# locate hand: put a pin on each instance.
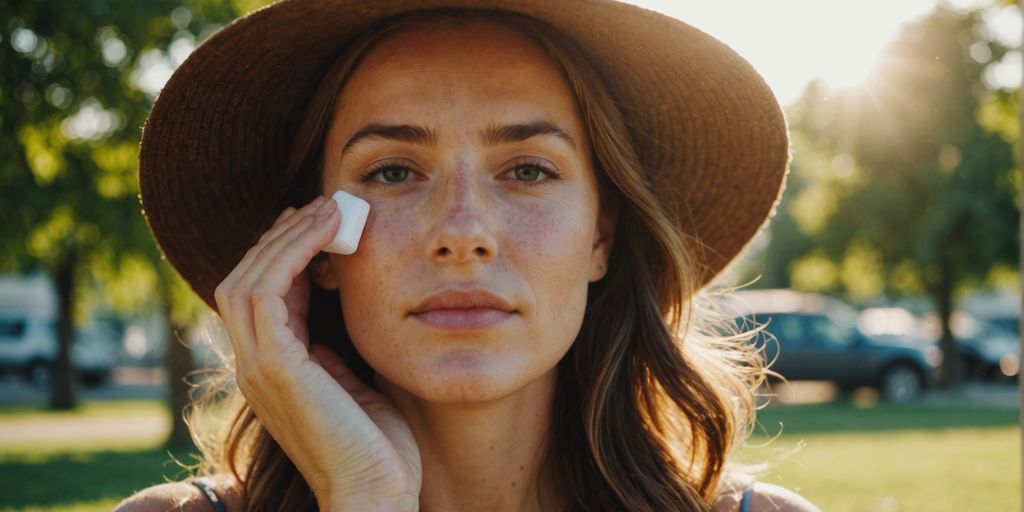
(352, 446)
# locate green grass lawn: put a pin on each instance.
(82, 473)
(890, 458)
(844, 458)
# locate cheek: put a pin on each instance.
(390, 235)
(554, 257)
(370, 278)
(553, 239)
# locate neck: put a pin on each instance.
(483, 455)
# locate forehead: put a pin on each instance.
(442, 63)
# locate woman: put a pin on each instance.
(518, 329)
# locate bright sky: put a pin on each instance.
(792, 42)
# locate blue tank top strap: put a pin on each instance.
(748, 494)
(207, 489)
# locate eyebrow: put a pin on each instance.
(495, 135)
(492, 135)
(401, 132)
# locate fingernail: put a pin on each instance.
(317, 200)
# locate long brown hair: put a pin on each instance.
(652, 398)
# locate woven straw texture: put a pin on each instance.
(215, 147)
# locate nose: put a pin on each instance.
(463, 231)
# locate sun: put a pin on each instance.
(851, 67)
(796, 41)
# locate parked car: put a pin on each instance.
(814, 337)
(28, 334)
(27, 344)
(987, 352)
(28, 348)
(999, 308)
(95, 353)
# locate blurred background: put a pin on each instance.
(888, 282)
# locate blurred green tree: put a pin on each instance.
(906, 184)
(76, 87)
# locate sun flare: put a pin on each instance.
(793, 42)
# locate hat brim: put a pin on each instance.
(217, 141)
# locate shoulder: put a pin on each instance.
(764, 498)
(183, 497)
(771, 498)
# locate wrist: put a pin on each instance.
(368, 502)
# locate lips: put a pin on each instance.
(460, 310)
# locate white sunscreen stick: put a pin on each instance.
(353, 219)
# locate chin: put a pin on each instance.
(464, 391)
(466, 378)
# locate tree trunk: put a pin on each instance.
(62, 383)
(1020, 266)
(942, 294)
(178, 360)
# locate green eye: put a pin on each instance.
(527, 173)
(394, 174)
(388, 173)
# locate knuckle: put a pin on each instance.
(262, 295)
(220, 294)
(306, 221)
(265, 237)
(234, 295)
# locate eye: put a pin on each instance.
(387, 173)
(533, 173)
(394, 174)
(528, 172)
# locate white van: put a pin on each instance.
(28, 344)
(28, 334)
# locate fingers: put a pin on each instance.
(284, 215)
(310, 228)
(284, 221)
(232, 302)
(255, 289)
(284, 260)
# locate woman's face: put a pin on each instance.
(471, 276)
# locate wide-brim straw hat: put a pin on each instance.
(215, 148)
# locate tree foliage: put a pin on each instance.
(77, 83)
(907, 184)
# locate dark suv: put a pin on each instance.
(813, 337)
